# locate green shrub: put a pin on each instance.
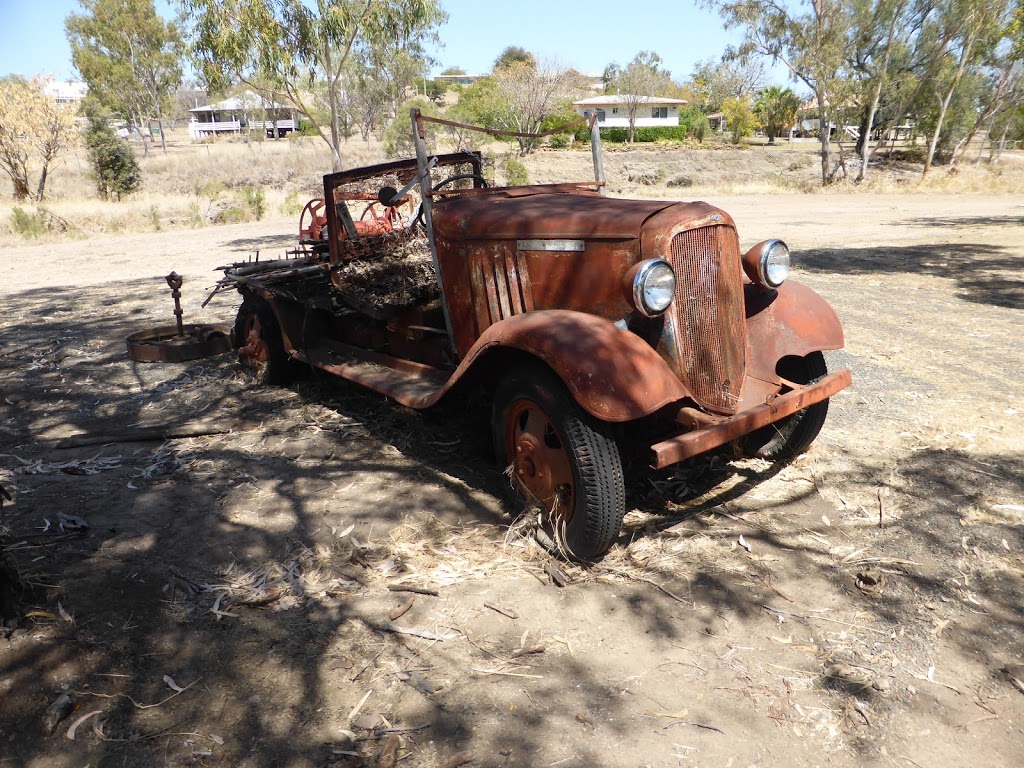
(232, 215)
(515, 172)
(195, 216)
(30, 225)
(211, 190)
(254, 200)
(306, 128)
(560, 140)
(701, 129)
(114, 167)
(292, 203)
(645, 134)
(398, 134)
(154, 218)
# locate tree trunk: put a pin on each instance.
(824, 132)
(40, 190)
(934, 141)
(965, 55)
(21, 190)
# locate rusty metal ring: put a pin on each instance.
(165, 345)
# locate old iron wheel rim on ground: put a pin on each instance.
(561, 459)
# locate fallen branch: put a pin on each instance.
(400, 611)
(141, 435)
(695, 725)
(410, 588)
(133, 701)
(503, 611)
(420, 633)
(506, 674)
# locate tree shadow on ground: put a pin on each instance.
(986, 274)
(299, 467)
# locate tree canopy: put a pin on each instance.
(316, 52)
(129, 57)
(642, 79)
(34, 131)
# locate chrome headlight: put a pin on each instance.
(767, 263)
(654, 287)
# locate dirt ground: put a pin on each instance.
(232, 599)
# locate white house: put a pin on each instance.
(613, 111)
(238, 112)
(65, 91)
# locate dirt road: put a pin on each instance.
(229, 603)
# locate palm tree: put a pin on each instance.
(776, 108)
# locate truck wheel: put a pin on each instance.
(788, 438)
(561, 459)
(257, 338)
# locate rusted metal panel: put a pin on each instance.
(793, 320)
(698, 441)
(541, 216)
(583, 281)
(612, 373)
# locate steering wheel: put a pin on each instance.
(460, 177)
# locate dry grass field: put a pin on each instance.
(235, 599)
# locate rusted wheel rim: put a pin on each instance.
(311, 223)
(540, 461)
(253, 351)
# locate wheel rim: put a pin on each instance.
(253, 352)
(540, 462)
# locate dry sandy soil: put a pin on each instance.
(859, 607)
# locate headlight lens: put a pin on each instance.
(654, 287)
(767, 263)
(774, 266)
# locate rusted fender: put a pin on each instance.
(794, 320)
(613, 374)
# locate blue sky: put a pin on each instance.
(584, 35)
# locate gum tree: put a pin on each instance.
(305, 46)
(129, 57)
(34, 131)
(807, 37)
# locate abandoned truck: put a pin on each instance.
(596, 326)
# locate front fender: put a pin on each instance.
(612, 373)
(793, 320)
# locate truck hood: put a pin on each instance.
(519, 215)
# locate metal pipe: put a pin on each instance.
(419, 139)
(595, 150)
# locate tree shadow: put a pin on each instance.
(299, 467)
(985, 274)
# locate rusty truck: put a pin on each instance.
(593, 325)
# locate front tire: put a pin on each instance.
(561, 459)
(789, 437)
(257, 337)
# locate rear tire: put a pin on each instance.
(561, 459)
(257, 337)
(789, 437)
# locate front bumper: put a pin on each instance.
(684, 446)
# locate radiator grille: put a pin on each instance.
(709, 310)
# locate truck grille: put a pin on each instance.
(711, 338)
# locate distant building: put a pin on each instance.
(247, 110)
(65, 91)
(613, 111)
(459, 79)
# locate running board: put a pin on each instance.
(411, 384)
